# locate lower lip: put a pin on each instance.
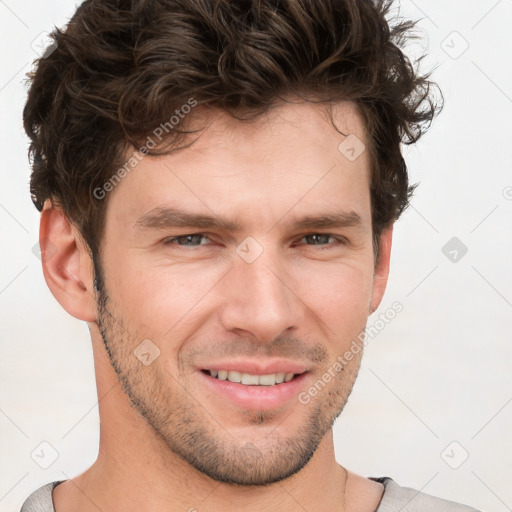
(257, 398)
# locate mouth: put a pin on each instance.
(248, 379)
(256, 388)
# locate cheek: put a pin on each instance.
(338, 286)
(340, 297)
(155, 299)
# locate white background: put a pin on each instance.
(438, 373)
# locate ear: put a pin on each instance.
(381, 272)
(67, 266)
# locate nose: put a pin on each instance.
(259, 300)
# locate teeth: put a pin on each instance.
(234, 376)
(267, 380)
(252, 380)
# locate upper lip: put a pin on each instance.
(258, 367)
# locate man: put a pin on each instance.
(218, 182)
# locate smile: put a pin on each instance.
(248, 379)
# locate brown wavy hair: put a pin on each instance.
(121, 67)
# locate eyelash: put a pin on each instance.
(338, 240)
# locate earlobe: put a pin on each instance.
(67, 266)
(380, 276)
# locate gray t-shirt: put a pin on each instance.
(394, 499)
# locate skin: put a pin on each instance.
(167, 441)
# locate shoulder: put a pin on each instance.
(41, 499)
(404, 499)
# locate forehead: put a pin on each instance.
(310, 127)
(287, 159)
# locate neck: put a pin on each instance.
(150, 480)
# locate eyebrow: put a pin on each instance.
(161, 218)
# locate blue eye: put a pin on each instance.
(314, 239)
(185, 240)
(322, 239)
(319, 237)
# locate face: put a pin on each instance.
(230, 266)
